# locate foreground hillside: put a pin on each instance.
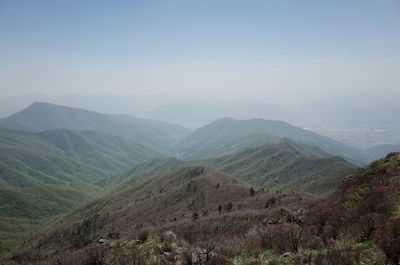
(285, 165)
(226, 136)
(358, 224)
(174, 200)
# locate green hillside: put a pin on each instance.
(226, 136)
(47, 173)
(62, 157)
(45, 116)
(24, 211)
(285, 165)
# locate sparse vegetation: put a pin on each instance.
(350, 227)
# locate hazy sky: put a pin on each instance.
(255, 49)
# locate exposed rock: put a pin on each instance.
(287, 255)
(103, 241)
(170, 236)
(269, 222)
(168, 254)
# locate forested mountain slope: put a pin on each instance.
(47, 173)
(284, 165)
(42, 116)
(226, 136)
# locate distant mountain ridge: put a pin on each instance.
(221, 137)
(42, 116)
(227, 135)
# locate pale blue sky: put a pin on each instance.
(310, 48)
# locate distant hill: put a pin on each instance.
(47, 173)
(189, 112)
(63, 156)
(226, 136)
(285, 165)
(42, 116)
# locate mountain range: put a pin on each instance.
(42, 116)
(361, 122)
(226, 135)
(55, 158)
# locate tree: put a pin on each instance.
(204, 251)
(228, 207)
(195, 216)
(271, 202)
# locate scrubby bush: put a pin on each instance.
(388, 239)
(143, 235)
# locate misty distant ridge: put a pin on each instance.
(361, 122)
(227, 135)
(219, 137)
(191, 113)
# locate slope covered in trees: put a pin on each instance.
(47, 173)
(285, 165)
(226, 136)
(42, 116)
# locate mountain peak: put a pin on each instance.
(36, 107)
(47, 106)
(41, 103)
(224, 119)
(44, 116)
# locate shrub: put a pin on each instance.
(95, 256)
(218, 260)
(195, 216)
(114, 235)
(143, 235)
(228, 207)
(388, 239)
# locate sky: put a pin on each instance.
(266, 50)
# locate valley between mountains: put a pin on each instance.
(230, 192)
